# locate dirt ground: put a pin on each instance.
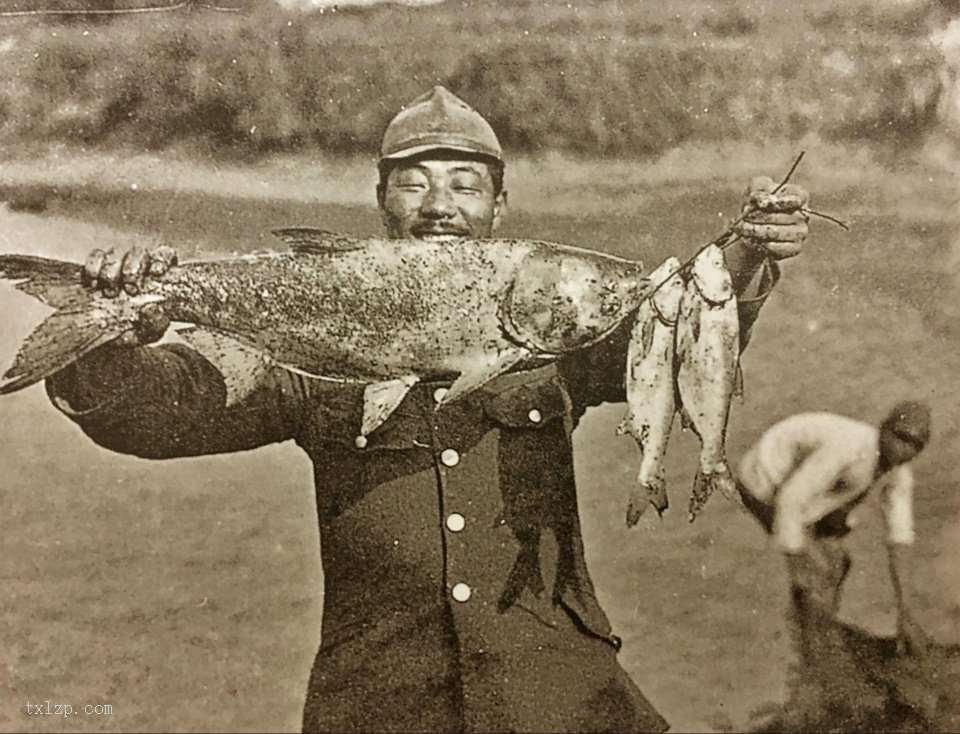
(186, 594)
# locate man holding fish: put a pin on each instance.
(456, 596)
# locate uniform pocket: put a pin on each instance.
(530, 399)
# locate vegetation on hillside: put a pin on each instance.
(603, 77)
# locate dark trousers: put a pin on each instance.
(817, 573)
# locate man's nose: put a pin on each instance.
(438, 203)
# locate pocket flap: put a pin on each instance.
(530, 399)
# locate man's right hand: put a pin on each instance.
(112, 272)
(776, 223)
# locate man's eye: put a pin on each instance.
(471, 190)
(411, 186)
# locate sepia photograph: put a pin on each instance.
(479, 366)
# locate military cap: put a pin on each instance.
(439, 120)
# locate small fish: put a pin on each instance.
(651, 387)
(707, 351)
(385, 313)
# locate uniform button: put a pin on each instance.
(439, 394)
(449, 457)
(461, 592)
(361, 442)
(534, 416)
(455, 522)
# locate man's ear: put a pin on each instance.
(499, 208)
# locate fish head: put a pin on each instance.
(668, 285)
(561, 301)
(711, 276)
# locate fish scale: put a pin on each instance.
(378, 311)
(651, 389)
(390, 313)
(707, 352)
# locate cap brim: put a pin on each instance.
(426, 148)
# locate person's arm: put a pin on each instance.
(754, 274)
(898, 493)
(169, 401)
(773, 228)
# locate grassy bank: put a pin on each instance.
(187, 593)
(603, 77)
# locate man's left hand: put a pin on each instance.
(774, 222)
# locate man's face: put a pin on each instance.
(440, 199)
(895, 451)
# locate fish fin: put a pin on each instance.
(61, 339)
(242, 367)
(702, 489)
(643, 495)
(54, 282)
(471, 380)
(704, 485)
(307, 240)
(646, 335)
(695, 326)
(636, 506)
(253, 344)
(380, 399)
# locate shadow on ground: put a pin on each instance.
(848, 680)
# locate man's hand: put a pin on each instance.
(113, 272)
(774, 222)
(894, 561)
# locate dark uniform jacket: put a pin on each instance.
(456, 597)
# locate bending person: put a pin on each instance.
(806, 473)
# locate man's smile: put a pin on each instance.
(438, 233)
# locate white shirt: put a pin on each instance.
(809, 465)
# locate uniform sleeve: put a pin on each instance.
(169, 401)
(899, 506)
(804, 498)
(596, 375)
(754, 277)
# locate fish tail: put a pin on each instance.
(706, 483)
(650, 493)
(53, 282)
(78, 326)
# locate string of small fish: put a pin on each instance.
(683, 356)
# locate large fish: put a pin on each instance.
(386, 313)
(707, 352)
(651, 387)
